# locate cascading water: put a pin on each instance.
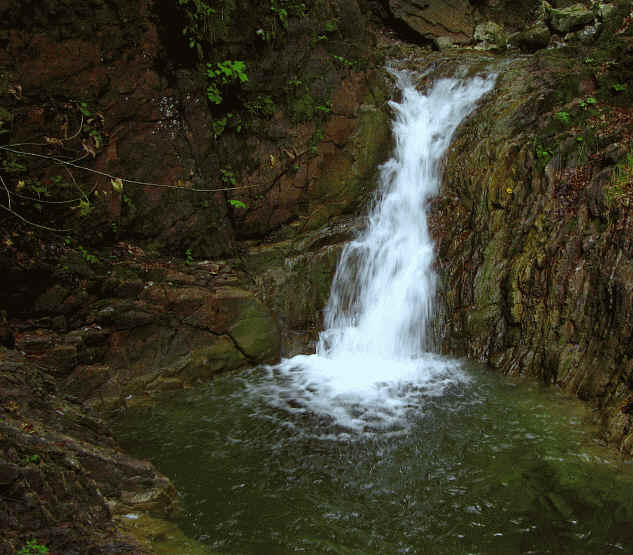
(372, 363)
(491, 466)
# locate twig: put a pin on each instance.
(7, 190)
(32, 223)
(78, 187)
(42, 201)
(125, 180)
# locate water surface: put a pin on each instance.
(488, 466)
(374, 444)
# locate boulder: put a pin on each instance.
(443, 43)
(605, 10)
(587, 34)
(533, 38)
(490, 36)
(570, 19)
(436, 18)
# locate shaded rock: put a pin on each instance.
(569, 19)
(8, 473)
(36, 342)
(512, 15)
(86, 380)
(585, 35)
(219, 354)
(436, 18)
(51, 299)
(62, 471)
(313, 183)
(256, 334)
(606, 10)
(533, 38)
(294, 277)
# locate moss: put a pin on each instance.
(302, 108)
(479, 322)
(203, 362)
(487, 285)
(256, 333)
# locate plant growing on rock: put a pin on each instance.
(32, 547)
(589, 101)
(621, 184)
(563, 117)
(236, 203)
(223, 74)
(197, 12)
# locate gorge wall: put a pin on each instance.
(178, 179)
(534, 225)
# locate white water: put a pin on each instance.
(372, 365)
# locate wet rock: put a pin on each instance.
(530, 237)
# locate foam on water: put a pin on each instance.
(372, 365)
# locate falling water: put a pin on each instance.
(372, 364)
(491, 466)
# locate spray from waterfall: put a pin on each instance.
(372, 364)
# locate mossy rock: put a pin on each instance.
(204, 362)
(256, 333)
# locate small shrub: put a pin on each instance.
(222, 74)
(589, 101)
(228, 177)
(563, 117)
(32, 547)
(236, 203)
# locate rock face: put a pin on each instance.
(534, 233)
(61, 474)
(436, 18)
(297, 138)
(143, 330)
(295, 143)
(124, 303)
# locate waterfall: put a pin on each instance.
(372, 364)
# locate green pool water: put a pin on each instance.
(489, 466)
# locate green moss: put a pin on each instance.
(256, 333)
(487, 286)
(221, 355)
